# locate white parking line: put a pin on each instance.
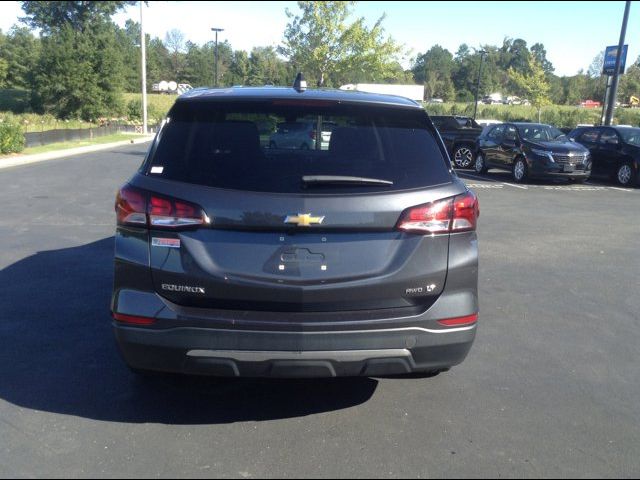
(516, 186)
(622, 189)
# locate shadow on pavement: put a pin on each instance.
(58, 355)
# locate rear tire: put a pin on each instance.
(625, 174)
(463, 156)
(480, 165)
(520, 171)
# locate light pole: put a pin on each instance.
(608, 116)
(475, 104)
(216, 67)
(143, 69)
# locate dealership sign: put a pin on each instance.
(610, 55)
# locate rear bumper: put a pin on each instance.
(236, 353)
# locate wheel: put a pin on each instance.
(463, 156)
(624, 175)
(520, 170)
(480, 165)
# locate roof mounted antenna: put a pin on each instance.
(300, 84)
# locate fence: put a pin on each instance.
(35, 139)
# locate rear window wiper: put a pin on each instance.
(342, 180)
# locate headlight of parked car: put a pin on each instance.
(542, 153)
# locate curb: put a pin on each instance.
(42, 157)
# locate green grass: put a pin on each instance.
(157, 103)
(116, 137)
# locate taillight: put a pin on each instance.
(138, 207)
(133, 319)
(459, 321)
(466, 211)
(455, 214)
(131, 206)
(312, 134)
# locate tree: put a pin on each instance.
(629, 84)
(19, 54)
(128, 39)
(50, 16)
(329, 51)
(174, 41)
(595, 69)
(4, 65)
(73, 81)
(534, 85)
(575, 88)
(540, 55)
(465, 72)
(265, 68)
(158, 62)
(433, 69)
(239, 68)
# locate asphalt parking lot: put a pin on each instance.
(551, 387)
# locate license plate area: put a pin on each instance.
(568, 168)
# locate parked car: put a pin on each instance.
(532, 150)
(492, 99)
(514, 100)
(300, 135)
(235, 259)
(459, 135)
(615, 152)
(483, 122)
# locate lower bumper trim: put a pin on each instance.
(265, 356)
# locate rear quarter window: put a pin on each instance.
(244, 146)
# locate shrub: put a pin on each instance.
(134, 112)
(11, 137)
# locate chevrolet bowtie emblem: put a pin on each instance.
(303, 219)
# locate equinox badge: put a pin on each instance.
(303, 219)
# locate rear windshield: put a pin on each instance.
(271, 146)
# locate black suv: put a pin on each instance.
(615, 152)
(532, 150)
(235, 258)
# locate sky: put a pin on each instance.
(572, 32)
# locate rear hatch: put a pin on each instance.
(358, 225)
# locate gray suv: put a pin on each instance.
(236, 259)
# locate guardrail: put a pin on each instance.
(36, 139)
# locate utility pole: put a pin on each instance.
(216, 66)
(605, 99)
(475, 105)
(616, 72)
(143, 69)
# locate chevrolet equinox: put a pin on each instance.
(234, 257)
